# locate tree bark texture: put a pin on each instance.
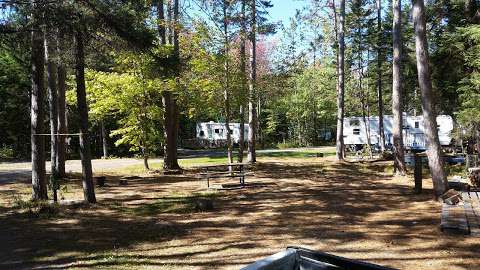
(226, 94)
(434, 150)
(171, 124)
(87, 178)
(397, 92)
(51, 60)
(252, 110)
(243, 60)
(39, 179)
(341, 83)
(381, 129)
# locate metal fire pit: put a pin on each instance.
(295, 258)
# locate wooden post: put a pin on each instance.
(417, 174)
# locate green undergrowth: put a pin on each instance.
(35, 209)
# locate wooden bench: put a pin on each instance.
(234, 170)
(463, 217)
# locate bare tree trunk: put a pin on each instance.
(62, 123)
(252, 110)
(145, 158)
(169, 18)
(161, 22)
(243, 61)
(226, 93)
(50, 58)
(379, 77)
(397, 93)
(39, 179)
(170, 161)
(369, 133)
(104, 140)
(434, 150)
(88, 187)
(341, 82)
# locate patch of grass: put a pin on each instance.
(35, 209)
(176, 203)
(455, 170)
(294, 154)
(204, 161)
(195, 162)
(158, 166)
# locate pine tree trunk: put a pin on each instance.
(161, 22)
(397, 93)
(88, 187)
(145, 158)
(39, 179)
(341, 82)
(381, 129)
(104, 140)
(170, 19)
(226, 93)
(170, 161)
(243, 60)
(252, 110)
(434, 150)
(51, 60)
(62, 122)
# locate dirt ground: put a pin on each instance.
(353, 210)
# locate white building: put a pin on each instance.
(355, 132)
(212, 131)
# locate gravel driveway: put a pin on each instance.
(22, 170)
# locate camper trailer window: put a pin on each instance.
(217, 130)
(354, 122)
(417, 124)
(202, 133)
(356, 131)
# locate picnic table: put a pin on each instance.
(233, 170)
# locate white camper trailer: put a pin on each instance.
(355, 131)
(213, 132)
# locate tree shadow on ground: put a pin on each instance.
(355, 210)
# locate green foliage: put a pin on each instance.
(6, 153)
(311, 105)
(132, 96)
(469, 90)
(35, 209)
(201, 95)
(287, 145)
(14, 106)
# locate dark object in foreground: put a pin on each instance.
(295, 258)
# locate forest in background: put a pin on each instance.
(128, 68)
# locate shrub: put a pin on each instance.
(6, 152)
(286, 145)
(35, 209)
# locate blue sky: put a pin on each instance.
(282, 10)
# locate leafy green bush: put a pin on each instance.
(6, 152)
(286, 145)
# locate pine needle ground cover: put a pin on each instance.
(355, 210)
